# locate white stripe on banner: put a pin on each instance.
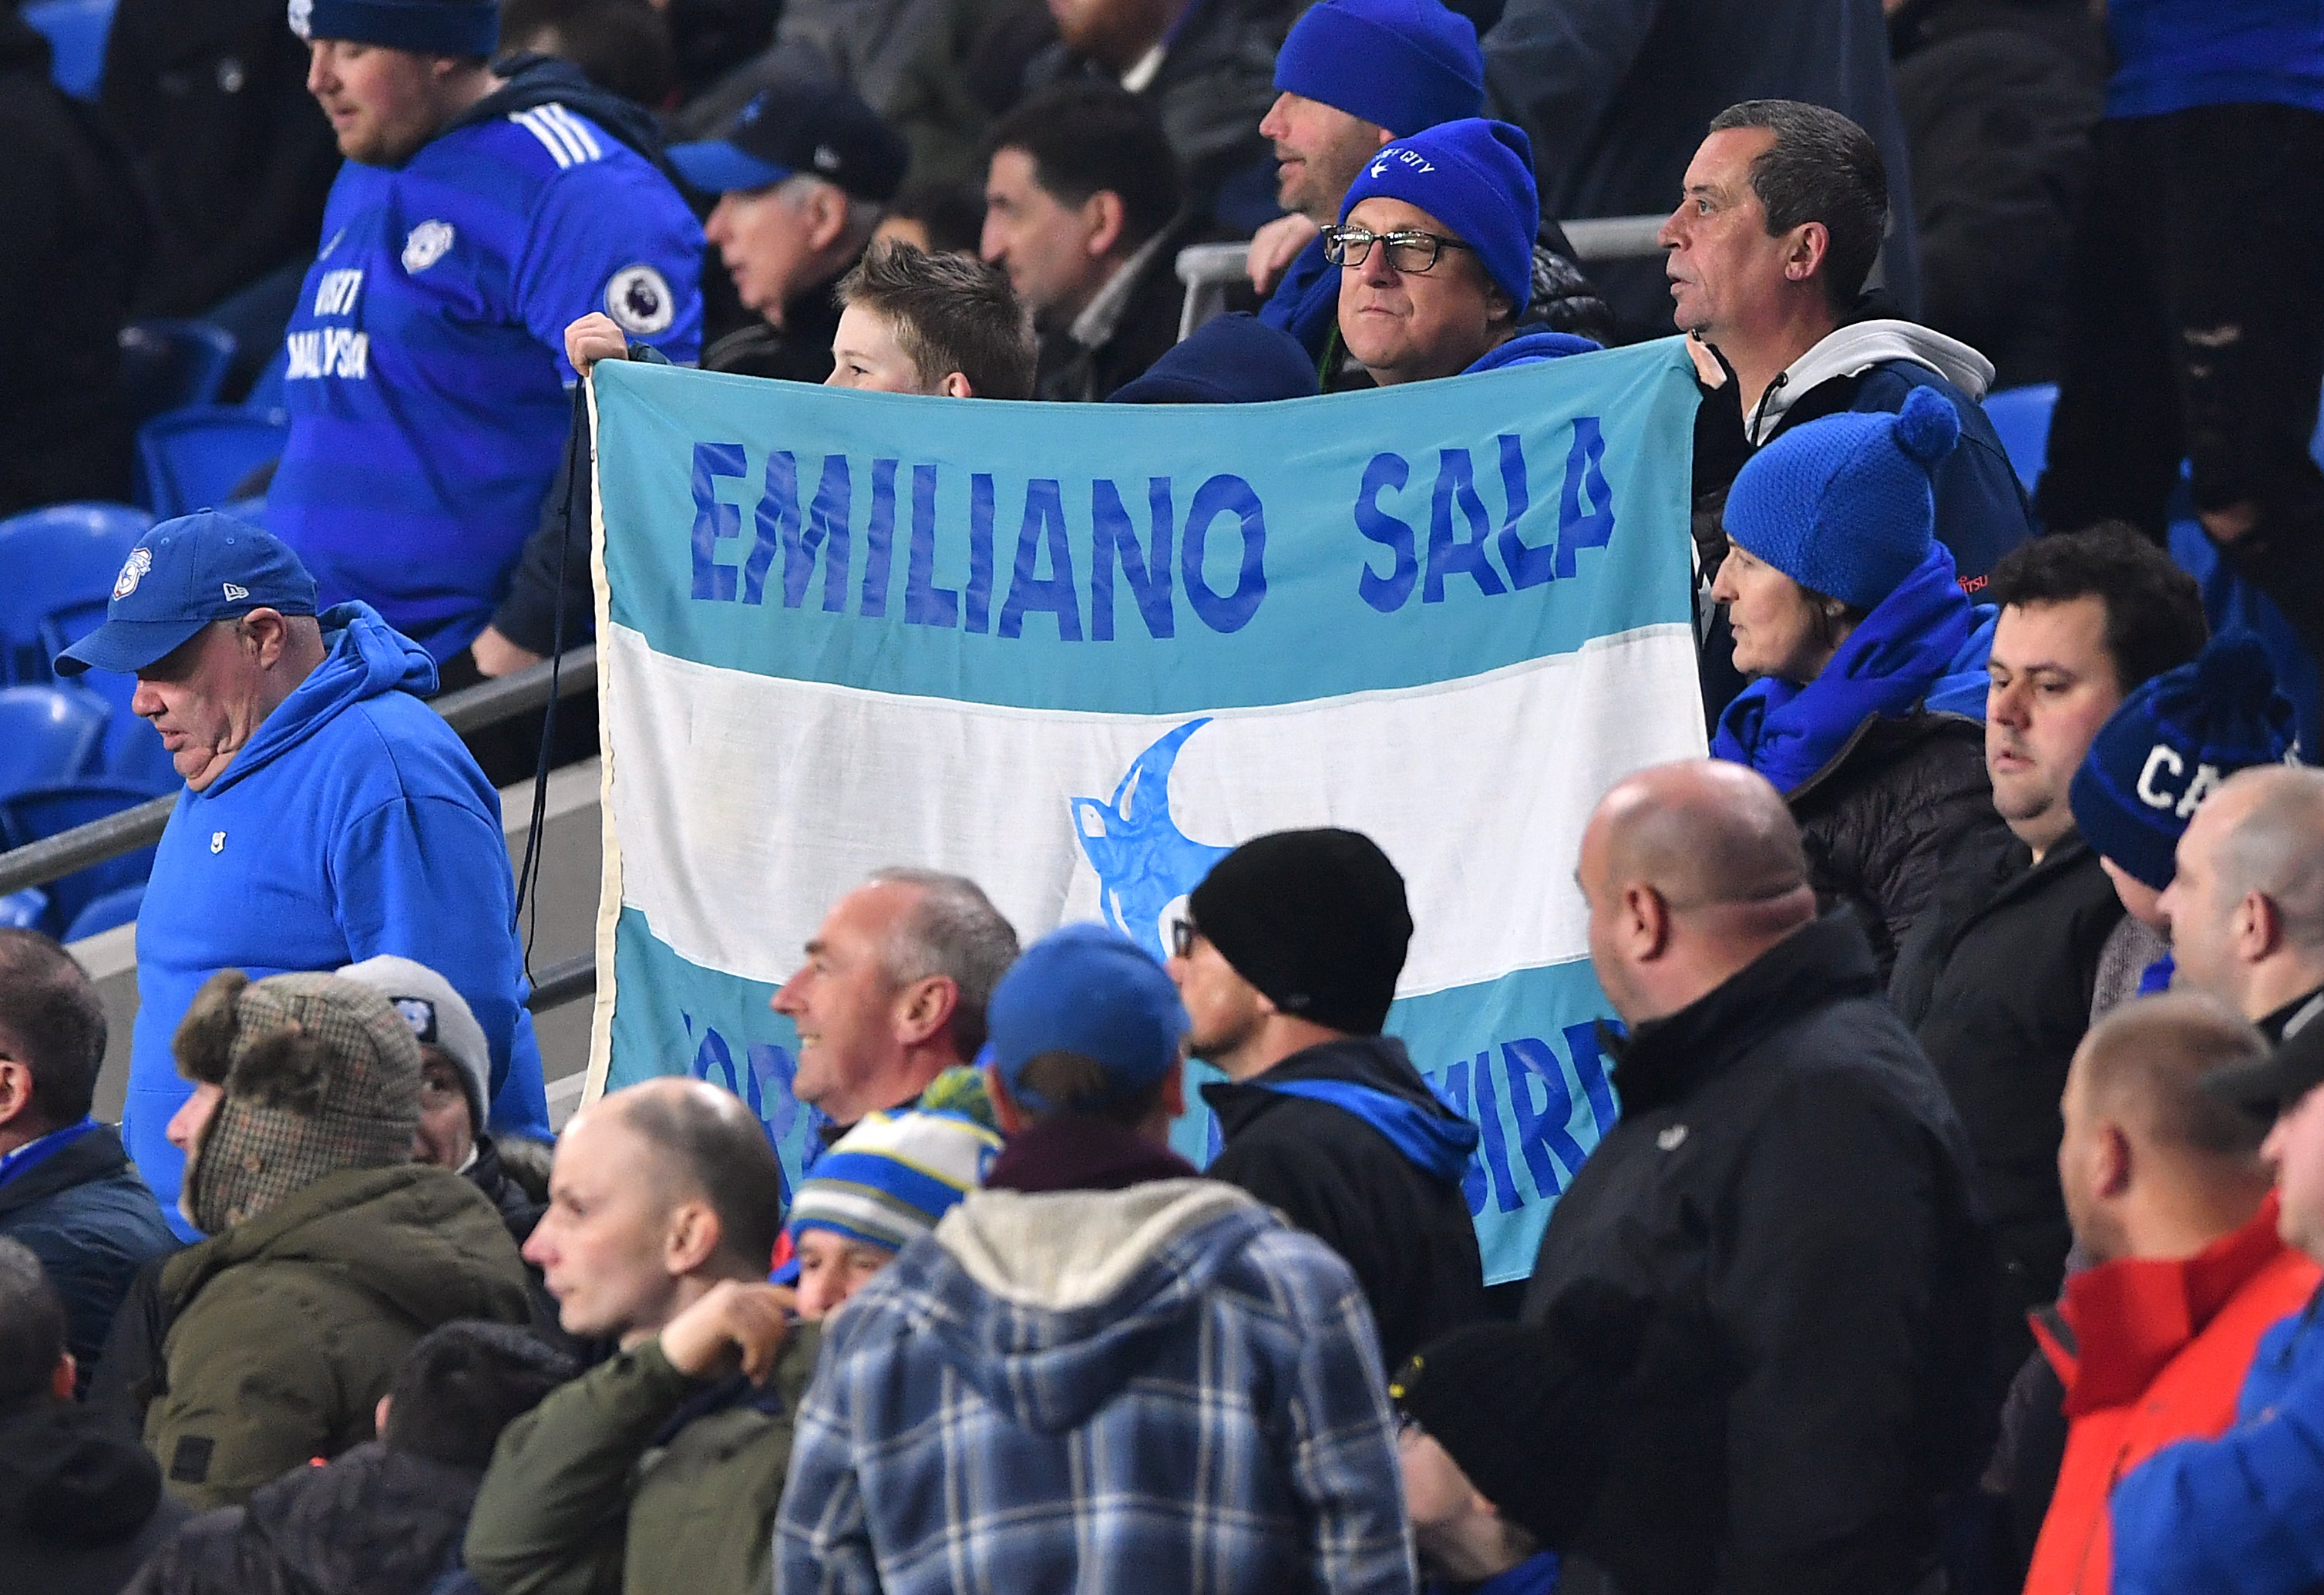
(756, 780)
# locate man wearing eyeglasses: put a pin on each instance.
(1434, 248)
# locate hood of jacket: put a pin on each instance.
(420, 1239)
(375, 1519)
(530, 81)
(1371, 1077)
(362, 658)
(1045, 1301)
(1856, 347)
(70, 1477)
(1529, 348)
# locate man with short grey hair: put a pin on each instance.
(1778, 223)
(2246, 902)
(893, 991)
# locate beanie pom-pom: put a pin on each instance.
(2234, 667)
(1928, 425)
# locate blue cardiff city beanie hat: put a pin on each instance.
(1401, 64)
(2170, 745)
(1843, 505)
(1474, 176)
(1091, 992)
(1227, 360)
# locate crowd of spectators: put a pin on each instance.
(1963, 1227)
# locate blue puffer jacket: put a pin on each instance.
(2244, 1514)
(75, 1204)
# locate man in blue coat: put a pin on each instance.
(67, 1192)
(2244, 1514)
(329, 816)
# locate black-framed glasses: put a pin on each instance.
(1411, 251)
(1182, 939)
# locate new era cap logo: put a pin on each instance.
(826, 159)
(234, 592)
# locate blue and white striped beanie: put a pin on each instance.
(892, 1177)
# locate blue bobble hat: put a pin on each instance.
(1400, 64)
(2168, 746)
(1476, 177)
(1091, 992)
(1843, 505)
(806, 125)
(423, 27)
(181, 576)
(889, 1180)
(1227, 360)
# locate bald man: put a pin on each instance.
(1787, 1163)
(664, 1204)
(2246, 905)
(2170, 1201)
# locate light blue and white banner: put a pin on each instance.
(1077, 653)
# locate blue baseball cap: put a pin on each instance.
(181, 576)
(808, 125)
(1091, 992)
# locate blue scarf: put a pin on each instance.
(1961, 689)
(1788, 732)
(1307, 303)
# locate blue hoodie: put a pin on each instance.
(352, 822)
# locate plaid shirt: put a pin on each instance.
(1198, 1408)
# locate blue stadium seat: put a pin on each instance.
(168, 365)
(24, 910)
(190, 459)
(60, 564)
(49, 735)
(2022, 417)
(266, 394)
(76, 31)
(115, 907)
(27, 817)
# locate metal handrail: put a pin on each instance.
(487, 703)
(564, 983)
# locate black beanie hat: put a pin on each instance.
(1520, 1414)
(1315, 919)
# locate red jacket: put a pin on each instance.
(2151, 1352)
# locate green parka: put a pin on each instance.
(593, 1493)
(285, 1330)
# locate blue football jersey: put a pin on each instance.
(428, 385)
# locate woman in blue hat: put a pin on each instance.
(1848, 612)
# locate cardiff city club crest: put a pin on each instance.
(425, 244)
(1145, 864)
(133, 571)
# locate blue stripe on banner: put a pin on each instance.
(1107, 575)
(1517, 1056)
